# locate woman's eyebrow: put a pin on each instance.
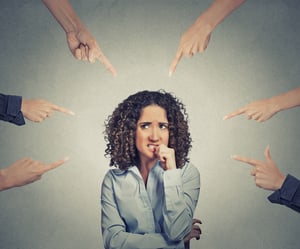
(148, 122)
(144, 122)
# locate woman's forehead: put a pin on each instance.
(153, 112)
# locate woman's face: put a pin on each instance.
(152, 130)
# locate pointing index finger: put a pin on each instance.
(102, 58)
(234, 113)
(246, 160)
(62, 109)
(55, 164)
(175, 62)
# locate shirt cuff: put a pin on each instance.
(14, 104)
(287, 190)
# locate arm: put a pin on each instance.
(217, 12)
(25, 171)
(10, 109)
(269, 177)
(263, 110)
(64, 14)
(37, 110)
(286, 100)
(288, 194)
(197, 36)
(182, 187)
(114, 229)
(80, 41)
(266, 173)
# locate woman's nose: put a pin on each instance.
(154, 135)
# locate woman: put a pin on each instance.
(148, 200)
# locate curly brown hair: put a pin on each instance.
(120, 128)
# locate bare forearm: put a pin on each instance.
(218, 11)
(287, 100)
(64, 14)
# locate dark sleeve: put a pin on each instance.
(10, 109)
(289, 194)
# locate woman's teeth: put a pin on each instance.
(152, 147)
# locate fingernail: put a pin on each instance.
(225, 117)
(233, 156)
(113, 71)
(67, 158)
(71, 113)
(170, 73)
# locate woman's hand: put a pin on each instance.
(166, 156)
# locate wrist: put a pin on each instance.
(280, 181)
(204, 23)
(73, 26)
(24, 105)
(274, 103)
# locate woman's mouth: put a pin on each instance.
(152, 147)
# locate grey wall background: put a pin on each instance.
(253, 54)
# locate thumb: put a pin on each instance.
(268, 154)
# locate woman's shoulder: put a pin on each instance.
(190, 166)
(115, 172)
(112, 176)
(118, 177)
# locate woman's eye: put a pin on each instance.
(145, 126)
(163, 126)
